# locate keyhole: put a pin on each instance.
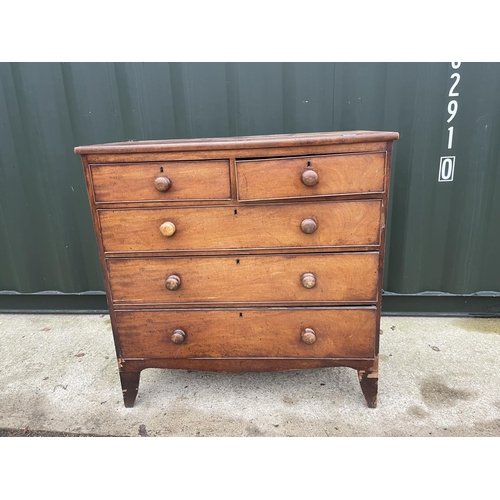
(237, 261)
(241, 315)
(161, 169)
(308, 163)
(236, 212)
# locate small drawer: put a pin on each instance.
(310, 176)
(334, 224)
(266, 279)
(167, 181)
(297, 333)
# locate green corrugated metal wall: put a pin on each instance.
(442, 236)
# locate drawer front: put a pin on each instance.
(349, 223)
(335, 175)
(245, 279)
(337, 333)
(189, 180)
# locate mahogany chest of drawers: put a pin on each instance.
(259, 253)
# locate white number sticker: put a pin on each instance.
(452, 90)
(446, 168)
(447, 163)
(452, 109)
(450, 137)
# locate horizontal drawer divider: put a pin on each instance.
(262, 254)
(242, 358)
(245, 364)
(233, 202)
(310, 198)
(231, 252)
(123, 306)
(251, 308)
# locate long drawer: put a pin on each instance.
(332, 333)
(266, 279)
(310, 176)
(333, 224)
(167, 181)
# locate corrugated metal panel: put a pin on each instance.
(442, 237)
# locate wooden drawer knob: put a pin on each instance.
(163, 184)
(308, 226)
(167, 229)
(173, 282)
(178, 337)
(308, 336)
(309, 178)
(308, 280)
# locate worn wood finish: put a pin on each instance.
(293, 177)
(107, 284)
(240, 153)
(368, 380)
(339, 224)
(355, 137)
(130, 379)
(237, 365)
(251, 231)
(340, 333)
(189, 180)
(130, 386)
(266, 279)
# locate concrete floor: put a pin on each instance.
(438, 377)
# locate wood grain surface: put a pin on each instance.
(268, 279)
(337, 174)
(243, 142)
(246, 333)
(349, 223)
(238, 365)
(191, 180)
